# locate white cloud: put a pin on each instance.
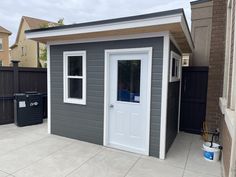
(76, 11)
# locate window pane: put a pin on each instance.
(129, 80)
(75, 65)
(173, 67)
(1, 44)
(75, 88)
(177, 68)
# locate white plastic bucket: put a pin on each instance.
(211, 154)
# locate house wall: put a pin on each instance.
(85, 122)
(228, 99)
(4, 54)
(172, 107)
(26, 50)
(201, 32)
(221, 82)
(216, 64)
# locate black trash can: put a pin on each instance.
(28, 108)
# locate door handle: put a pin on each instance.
(111, 106)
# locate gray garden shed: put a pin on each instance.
(117, 82)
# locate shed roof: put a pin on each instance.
(173, 21)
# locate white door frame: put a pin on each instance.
(146, 50)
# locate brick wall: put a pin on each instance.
(216, 64)
(226, 142)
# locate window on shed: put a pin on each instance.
(75, 77)
(175, 67)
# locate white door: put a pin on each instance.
(128, 99)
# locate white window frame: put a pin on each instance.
(1, 41)
(67, 54)
(177, 57)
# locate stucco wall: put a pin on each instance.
(201, 32)
(28, 57)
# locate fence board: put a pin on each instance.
(32, 81)
(28, 79)
(193, 99)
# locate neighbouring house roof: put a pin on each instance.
(4, 30)
(199, 2)
(173, 21)
(36, 23)
(33, 23)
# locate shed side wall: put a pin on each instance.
(172, 107)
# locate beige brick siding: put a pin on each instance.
(227, 144)
(216, 64)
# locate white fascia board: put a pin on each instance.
(184, 26)
(107, 27)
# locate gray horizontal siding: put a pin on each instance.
(85, 122)
(172, 107)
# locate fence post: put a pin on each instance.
(16, 75)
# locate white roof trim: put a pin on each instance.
(107, 27)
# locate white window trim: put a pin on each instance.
(233, 85)
(227, 50)
(66, 54)
(178, 58)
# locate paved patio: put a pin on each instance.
(31, 152)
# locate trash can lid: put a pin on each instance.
(31, 92)
(19, 94)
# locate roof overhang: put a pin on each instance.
(171, 21)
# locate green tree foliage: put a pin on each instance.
(43, 54)
(43, 51)
(60, 21)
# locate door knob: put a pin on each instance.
(111, 106)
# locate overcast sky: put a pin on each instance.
(76, 11)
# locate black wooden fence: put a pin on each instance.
(19, 80)
(193, 99)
